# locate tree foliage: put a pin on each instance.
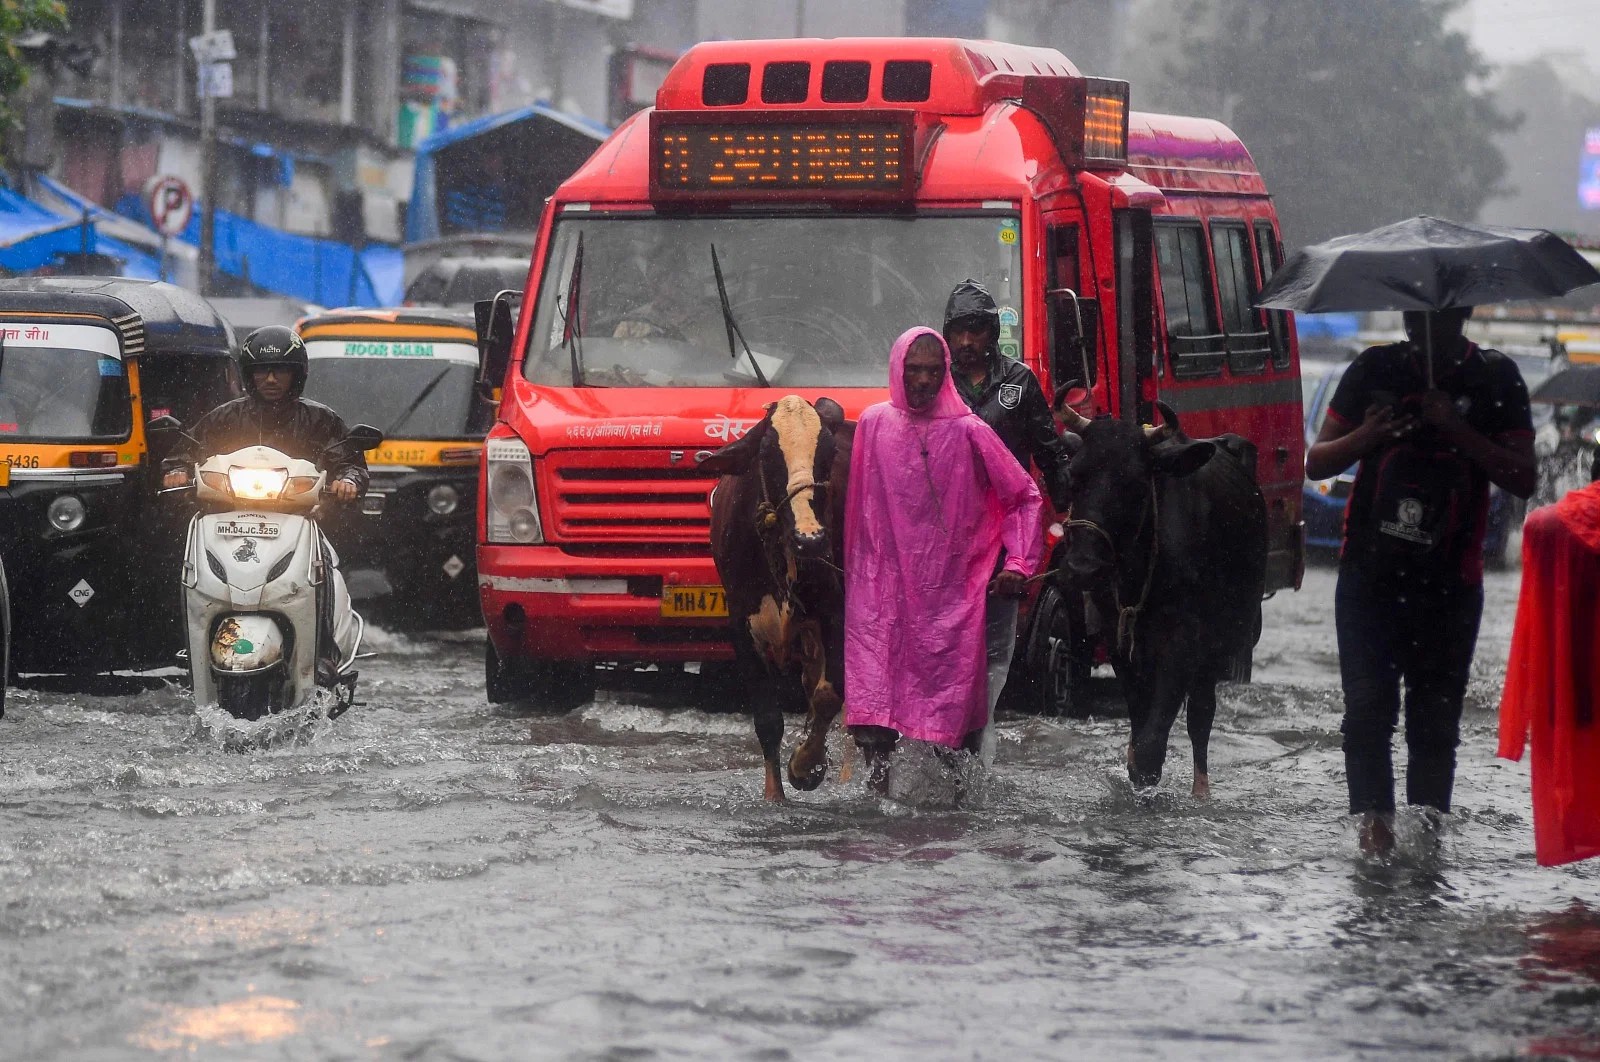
(1358, 112)
(17, 19)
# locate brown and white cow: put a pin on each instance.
(777, 536)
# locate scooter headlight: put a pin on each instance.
(443, 500)
(66, 513)
(257, 484)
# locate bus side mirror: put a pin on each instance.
(496, 323)
(1074, 324)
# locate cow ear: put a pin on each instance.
(831, 412)
(737, 457)
(1179, 459)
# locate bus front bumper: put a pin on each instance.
(541, 603)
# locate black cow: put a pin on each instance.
(777, 534)
(1169, 536)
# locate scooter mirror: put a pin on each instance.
(364, 437)
(165, 422)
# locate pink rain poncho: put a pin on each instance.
(933, 496)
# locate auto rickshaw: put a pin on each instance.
(413, 374)
(92, 555)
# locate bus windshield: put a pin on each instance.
(62, 383)
(631, 301)
(404, 399)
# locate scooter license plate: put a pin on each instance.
(678, 602)
(246, 529)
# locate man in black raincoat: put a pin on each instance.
(1007, 396)
(272, 413)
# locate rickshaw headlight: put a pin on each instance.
(66, 513)
(443, 500)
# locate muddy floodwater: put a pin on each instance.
(431, 878)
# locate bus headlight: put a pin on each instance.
(66, 513)
(512, 509)
(443, 500)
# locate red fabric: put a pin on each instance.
(1553, 676)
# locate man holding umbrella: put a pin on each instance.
(1410, 588)
(1432, 422)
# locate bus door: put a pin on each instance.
(1074, 351)
(1133, 244)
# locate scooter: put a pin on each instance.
(256, 576)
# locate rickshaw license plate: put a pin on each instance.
(679, 602)
(246, 529)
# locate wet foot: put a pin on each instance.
(1376, 836)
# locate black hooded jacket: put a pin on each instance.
(1011, 402)
(297, 426)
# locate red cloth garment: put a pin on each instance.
(1553, 676)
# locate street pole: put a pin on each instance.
(208, 170)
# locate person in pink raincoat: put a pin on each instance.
(933, 496)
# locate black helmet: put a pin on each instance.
(275, 345)
(971, 301)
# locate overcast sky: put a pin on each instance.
(1511, 30)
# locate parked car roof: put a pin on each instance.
(462, 281)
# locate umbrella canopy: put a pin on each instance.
(1427, 263)
(1577, 386)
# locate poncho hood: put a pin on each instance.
(947, 403)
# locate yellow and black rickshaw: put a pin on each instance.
(413, 374)
(92, 556)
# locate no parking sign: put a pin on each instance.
(170, 203)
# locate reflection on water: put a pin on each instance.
(252, 1020)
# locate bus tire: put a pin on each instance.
(1050, 678)
(541, 685)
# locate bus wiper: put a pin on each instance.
(416, 403)
(733, 326)
(572, 337)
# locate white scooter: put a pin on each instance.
(256, 575)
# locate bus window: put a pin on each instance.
(1196, 344)
(1267, 257)
(1248, 342)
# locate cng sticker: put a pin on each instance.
(454, 566)
(81, 593)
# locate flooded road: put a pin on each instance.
(428, 878)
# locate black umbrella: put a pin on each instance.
(1427, 263)
(1577, 386)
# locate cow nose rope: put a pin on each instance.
(767, 524)
(1128, 615)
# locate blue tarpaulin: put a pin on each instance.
(325, 272)
(1327, 325)
(32, 237)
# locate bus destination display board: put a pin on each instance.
(726, 156)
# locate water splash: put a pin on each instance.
(305, 724)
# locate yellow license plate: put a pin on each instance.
(678, 602)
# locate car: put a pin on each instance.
(1322, 501)
(462, 281)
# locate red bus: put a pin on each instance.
(785, 210)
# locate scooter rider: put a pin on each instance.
(272, 413)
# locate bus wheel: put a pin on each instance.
(541, 685)
(1056, 674)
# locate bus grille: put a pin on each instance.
(627, 496)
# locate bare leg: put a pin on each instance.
(877, 746)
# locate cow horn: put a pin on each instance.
(1168, 428)
(1072, 420)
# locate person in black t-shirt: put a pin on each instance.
(1410, 591)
